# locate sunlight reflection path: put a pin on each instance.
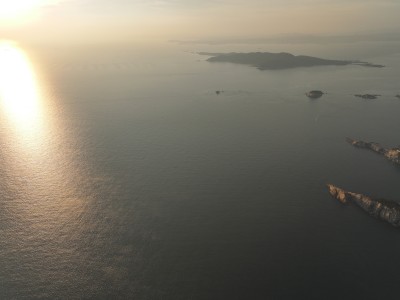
(43, 167)
(54, 213)
(19, 92)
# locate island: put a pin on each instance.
(386, 210)
(278, 61)
(392, 154)
(314, 94)
(367, 96)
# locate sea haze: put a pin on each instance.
(129, 177)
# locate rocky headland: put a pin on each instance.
(277, 61)
(382, 209)
(392, 154)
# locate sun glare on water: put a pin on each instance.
(19, 91)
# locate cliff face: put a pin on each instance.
(382, 209)
(392, 154)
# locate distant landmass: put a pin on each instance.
(277, 61)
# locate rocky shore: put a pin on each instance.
(382, 209)
(392, 154)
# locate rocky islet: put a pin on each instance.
(386, 210)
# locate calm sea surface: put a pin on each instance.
(124, 176)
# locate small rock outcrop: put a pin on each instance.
(392, 154)
(367, 96)
(398, 96)
(386, 210)
(382, 209)
(314, 94)
(338, 193)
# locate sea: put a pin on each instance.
(124, 175)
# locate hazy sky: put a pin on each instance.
(199, 19)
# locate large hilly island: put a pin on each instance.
(277, 61)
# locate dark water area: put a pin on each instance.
(128, 177)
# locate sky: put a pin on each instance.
(195, 19)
